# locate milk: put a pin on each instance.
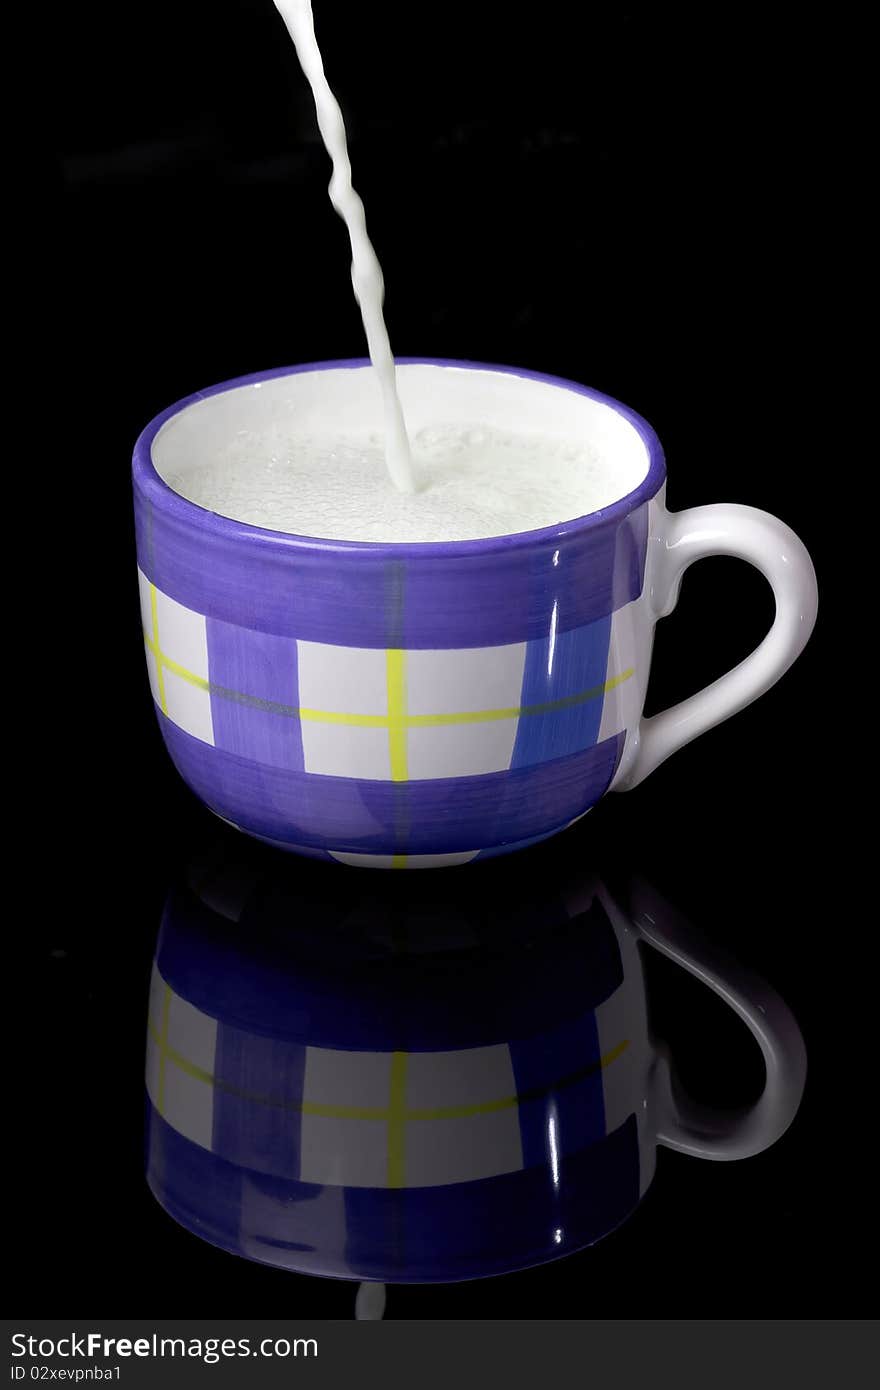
(366, 272)
(478, 482)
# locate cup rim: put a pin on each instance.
(160, 495)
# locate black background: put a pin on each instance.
(625, 198)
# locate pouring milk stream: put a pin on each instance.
(366, 272)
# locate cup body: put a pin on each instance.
(457, 1095)
(402, 705)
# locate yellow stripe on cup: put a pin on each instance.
(395, 679)
(156, 649)
(397, 720)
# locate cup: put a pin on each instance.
(417, 705)
(369, 1085)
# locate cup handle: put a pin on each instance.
(695, 1129)
(774, 549)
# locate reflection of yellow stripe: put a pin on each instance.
(463, 1112)
(343, 1112)
(395, 672)
(398, 861)
(163, 1050)
(396, 1119)
(183, 1064)
(442, 1112)
(395, 1114)
(154, 646)
(489, 1107)
(612, 1056)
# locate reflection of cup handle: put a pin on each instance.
(696, 1129)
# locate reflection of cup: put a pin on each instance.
(404, 704)
(371, 1084)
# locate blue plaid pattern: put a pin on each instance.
(559, 1082)
(463, 1231)
(302, 1134)
(375, 1119)
(571, 666)
(396, 757)
(257, 1100)
(330, 710)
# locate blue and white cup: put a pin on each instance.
(408, 1088)
(413, 705)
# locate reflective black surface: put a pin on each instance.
(413, 1079)
(752, 1236)
(199, 244)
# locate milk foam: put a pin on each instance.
(479, 481)
(366, 273)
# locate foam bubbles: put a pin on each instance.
(478, 482)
